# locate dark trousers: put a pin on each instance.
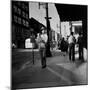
(80, 52)
(72, 52)
(43, 56)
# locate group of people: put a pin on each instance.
(42, 39)
(72, 41)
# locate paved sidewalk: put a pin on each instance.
(22, 57)
(59, 72)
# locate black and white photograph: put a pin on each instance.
(49, 44)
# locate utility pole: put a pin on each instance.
(48, 52)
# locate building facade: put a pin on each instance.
(71, 26)
(19, 22)
(65, 29)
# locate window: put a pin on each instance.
(19, 3)
(15, 19)
(19, 11)
(23, 14)
(15, 8)
(19, 20)
(26, 8)
(23, 22)
(23, 6)
(27, 24)
(27, 16)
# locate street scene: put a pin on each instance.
(49, 45)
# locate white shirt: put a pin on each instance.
(42, 40)
(71, 39)
(44, 37)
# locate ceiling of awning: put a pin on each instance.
(69, 12)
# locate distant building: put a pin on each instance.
(65, 29)
(77, 26)
(20, 22)
(71, 26)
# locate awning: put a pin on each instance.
(70, 12)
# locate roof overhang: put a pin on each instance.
(70, 12)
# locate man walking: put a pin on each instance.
(42, 41)
(80, 43)
(71, 41)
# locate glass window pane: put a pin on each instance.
(19, 20)
(15, 8)
(23, 22)
(23, 14)
(19, 11)
(15, 19)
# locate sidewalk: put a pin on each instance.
(59, 71)
(21, 57)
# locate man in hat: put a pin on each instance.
(42, 41)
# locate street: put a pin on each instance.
(59, 71)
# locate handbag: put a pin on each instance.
(42, 45)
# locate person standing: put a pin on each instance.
(71, 41)
(80, 43)
(42, 41)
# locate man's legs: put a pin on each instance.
(44, 57)
(70, 52)
(79, 53)
(41, 55)
(73, 52)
